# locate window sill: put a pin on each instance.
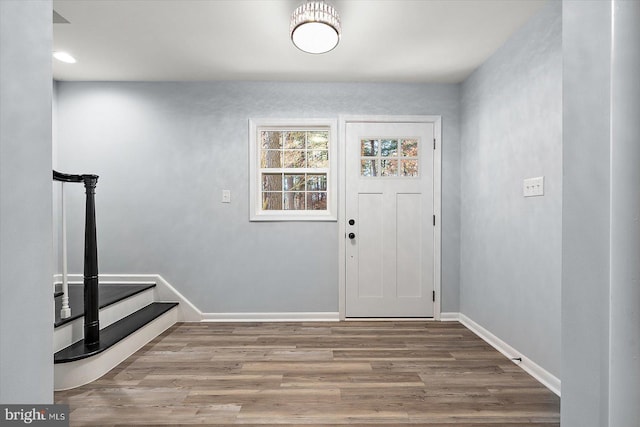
(280, 216)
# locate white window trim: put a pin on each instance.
(255, 193)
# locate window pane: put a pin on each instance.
(368, 168)
(317, 182)
(369, 147)
(410, 148)
(317, 201)
(271, 139)
(318, 140)
(294, 201)
(318, 159)
(294, 182)
(271, 201)
(294, 159)
(272, 182)
(294, 140)
(388, 147)
(409, 168)
(388, 167)
(271, 159)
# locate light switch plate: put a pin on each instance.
(533, 187)
(226, 196)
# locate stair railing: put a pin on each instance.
(91, 303)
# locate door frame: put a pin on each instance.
(343, 121)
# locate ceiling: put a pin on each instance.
(439, 41)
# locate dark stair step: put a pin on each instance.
(107, 294)
(114, 333)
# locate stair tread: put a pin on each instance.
(114, 333)
(108, 294)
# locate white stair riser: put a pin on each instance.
(67, 334)
(74, 374)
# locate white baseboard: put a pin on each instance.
(187, 312)
(390, 319)
(449, 317)
(272, 317)
(536, 371)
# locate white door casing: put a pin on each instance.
(390, 255)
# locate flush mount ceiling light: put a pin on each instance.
(64, 57)
(315, 27)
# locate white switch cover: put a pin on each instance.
(533, 187)
(226, 196)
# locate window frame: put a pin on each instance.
(255, 172)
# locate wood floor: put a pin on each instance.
(355, 373)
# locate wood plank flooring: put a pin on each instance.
(348, 373)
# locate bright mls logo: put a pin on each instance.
(40, 415)
(27, 416)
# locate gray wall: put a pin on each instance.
(511, 129)
(624, 361)
(164, 152)
(601, 212)
(585, 251)
(26, 300)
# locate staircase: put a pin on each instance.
(99, 325)
(129, 318)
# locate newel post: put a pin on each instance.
(91, 305)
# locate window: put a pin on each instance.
(292, 170)
(389, 157)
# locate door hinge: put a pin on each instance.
(434, 296)
(434, 143)
(434, 220)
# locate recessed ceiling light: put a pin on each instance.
(64, 57)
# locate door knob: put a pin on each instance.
(352, 236)
(352, 221)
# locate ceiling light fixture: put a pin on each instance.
(315, 27)
(64, 57)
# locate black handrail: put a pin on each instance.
(91, 303)
(65, 177)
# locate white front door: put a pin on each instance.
(389, 220)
